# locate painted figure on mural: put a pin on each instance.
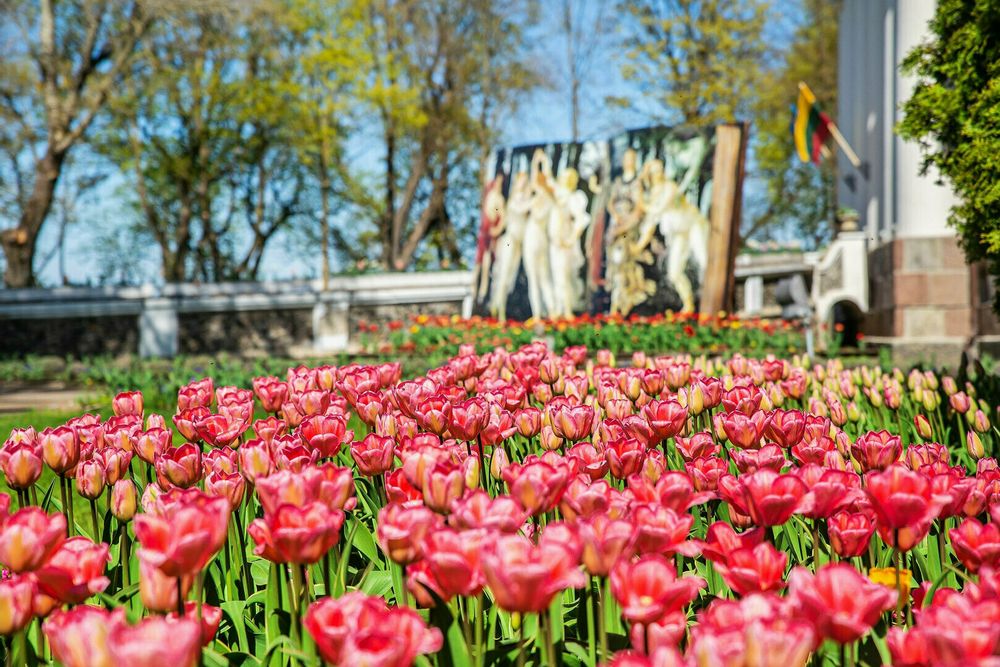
(624, 275)
(536, 236)
(568, 221)
(509, 245)
(490, 226)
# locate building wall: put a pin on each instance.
(922, 293)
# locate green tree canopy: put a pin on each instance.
(954, 114)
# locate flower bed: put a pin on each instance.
(670, 333)
(514, 507)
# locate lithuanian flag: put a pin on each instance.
(810, 126)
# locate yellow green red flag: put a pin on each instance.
(810, 126)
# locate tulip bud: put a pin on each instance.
(549, 440)
(979, 421)
(471, 466)
(975, 445)
(498, 462)
(960, 402)
(853, 413)
(123, 500)
(931, 401)
(90, 479)
(924, 428)
(21, 463)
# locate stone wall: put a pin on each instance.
(77, 336)
(248, 333)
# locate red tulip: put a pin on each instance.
(755, 569)
(649, 588)
(328, 483)
(255, 460)
(976, 544)
(123, 500)
(589, 460)
(29, 537)
(721, 541)
(295, 534)
(767, 497)
(157, 591)
(625, 457)
(184, 542)
(829, 491)
(743, 430)
(604, 541)
(149, 444)
(904, 505)
(666, 419)
(60, 448)
(219, 430)
(211, 617)
(401, 530)
(468, 418)
(877, 450)
(573, 423)
(186, 419)
(79, 637)
(658, 529)
(528, 421)
(75, 571)
(770, 456)
(90, 479)
(705, 473)
(271, 392)
(127, 403)
(850, 533)
(698, 445)
(745, 399)
(325, 433)
(785, 427)
(524, 577)
(453, 559)
(16, 593)
(269, 429)
(842, 604)
(537, 485)
(181, 465)
(356, 629)
(155, 641)
(373, 455)
(477, 510)
(230, 486)
(21, 463)
(443, 483)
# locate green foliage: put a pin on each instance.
(700, 59)
(799, 196)
(954, 115)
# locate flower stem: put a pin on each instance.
(602, 633)
(93, 520)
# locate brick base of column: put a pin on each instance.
(926, 302)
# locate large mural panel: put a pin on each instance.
(610, 226)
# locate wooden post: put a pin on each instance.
(718, 290)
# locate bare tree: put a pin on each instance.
(76, 51)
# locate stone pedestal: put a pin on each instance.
(331, 322)
(159, 328)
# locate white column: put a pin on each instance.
(159, 328)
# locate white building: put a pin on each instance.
(922, 297)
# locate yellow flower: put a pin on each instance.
(886, 576)
(414, 329)
(423, 319)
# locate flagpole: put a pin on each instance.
(835, 131)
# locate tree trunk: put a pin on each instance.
(19, 242)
